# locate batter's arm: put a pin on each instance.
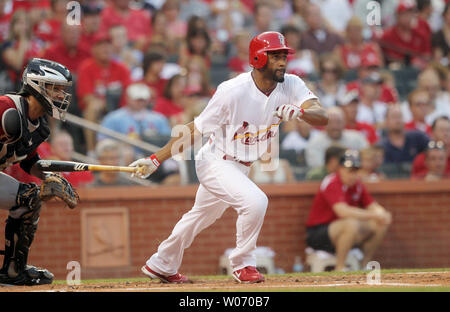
(314, 113)
(185, 139)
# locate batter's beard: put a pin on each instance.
(277, 78)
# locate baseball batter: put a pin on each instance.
(241, 119)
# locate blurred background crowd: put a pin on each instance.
(380, 68)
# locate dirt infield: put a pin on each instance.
(286, 282)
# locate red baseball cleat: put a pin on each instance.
(248, 275)
(172, 279)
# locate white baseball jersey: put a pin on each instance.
(240, 118)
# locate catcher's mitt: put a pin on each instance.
(55, 185)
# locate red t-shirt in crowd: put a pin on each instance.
(331, 192)
(167, 107)
(137, 22)
(387, 94)
(419, 169)
(418, 43)
(157, 87)
(87, 41)
(353, 57)
(96, 79)
(71, 59)
(48, 30)
(366, 129)
(413, 125)
(237, 65)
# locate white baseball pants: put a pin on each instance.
(223, 183)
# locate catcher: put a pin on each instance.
(46, 90)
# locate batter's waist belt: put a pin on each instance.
(245, 163)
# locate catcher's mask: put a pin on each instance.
(50, 83)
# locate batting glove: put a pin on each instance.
(146, 166)
(288, 112)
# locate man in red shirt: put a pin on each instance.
(405, 42)
(66, 50)
(345, 215)
(136, 21)
(349, 105)
(90, 22)
(440, 132)
(370, 63)
(101, 84)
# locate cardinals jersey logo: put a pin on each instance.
(250, 138)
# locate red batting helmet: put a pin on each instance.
(266, 41)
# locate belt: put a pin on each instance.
(245, 163)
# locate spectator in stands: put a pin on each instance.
(333, 155)
(49, 29)
(370, 165)
(197, 43)
(440, 132)
(401, 146)
(317, 38)
(173, 102)
(90, 23)
(420, 106)
(4, 21)
(101, 84)
(197, 78)
(370, 109)
(297, 139)
(200, 8)
(349, 104)
(280, 174)
(344, 215)
(109, 153)
(238, 63)
(160, 38)
(67, 49)
(62, 149)
(336, 14)
(371, 63)
(176, 27)
(334, 134)
(330, 88)
(153, 65)
(136, 119)
(441, 39)
(229, 17)
(299, 14)
(355, 49)
(124, 53)
(405, 43)
(440, 99)
(424, 12)
(20, 47)
(262, 18)
(136, 21)
(303, 62)
(436, 162)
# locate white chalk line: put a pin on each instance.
(138, 289)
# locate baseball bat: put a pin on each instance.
(67, 166)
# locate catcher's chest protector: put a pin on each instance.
(31, 137)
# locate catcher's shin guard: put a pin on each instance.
(19, 234)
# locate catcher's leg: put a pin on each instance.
(20, 229)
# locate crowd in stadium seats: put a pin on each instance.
(381, 68)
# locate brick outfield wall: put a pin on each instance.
(418, 238)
